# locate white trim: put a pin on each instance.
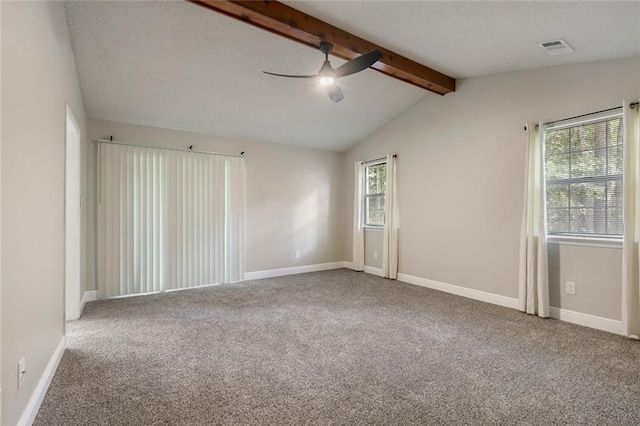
(73, 305)
(483, 296)
(382, 160)
(374, 271)
(613, 243)
(270, 273)
(30, 411)
(89, 296)
(587, 320)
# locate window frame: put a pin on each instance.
(573, 238)
(366, 164)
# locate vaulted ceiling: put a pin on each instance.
(177, 65)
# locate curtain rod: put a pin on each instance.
(586, 115)
(631, 105)
(190, 149)
(378, 159)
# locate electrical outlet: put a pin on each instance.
(297, 254)
(22, 371)
(375, 254)
(570, 287)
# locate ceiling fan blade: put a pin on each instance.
(334, 92)
(290, 76)
(358, 64)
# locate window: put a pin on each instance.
(375, 181)
(583, 171)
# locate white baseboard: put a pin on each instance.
(483, 296)
(270, 273)
(587, 320)
(89, 296)
(374, 271)
(30, 411)
(599, 323)
(346, 264)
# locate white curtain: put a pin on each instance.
(391, 223)
(358, 217)
(168, 220)
(534, 275)
(631, 214)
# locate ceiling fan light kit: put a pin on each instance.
(326, 80)
(328, 75)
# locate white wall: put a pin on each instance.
(373, 247)
(293, 194)
(597, 271)
(460, 172)
(38, 78)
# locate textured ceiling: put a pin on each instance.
(474, 38)
(176, 65)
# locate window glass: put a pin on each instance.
(374, 195)
(583, 169)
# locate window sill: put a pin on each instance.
(585, 241)
(373, 228)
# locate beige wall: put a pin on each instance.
(460, 172)
(373, 246)
(293, 194)
(597, 272)
(38, 78)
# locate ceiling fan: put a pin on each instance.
(327, 75)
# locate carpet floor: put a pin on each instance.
(335, 347)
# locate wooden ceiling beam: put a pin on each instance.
(288, 22)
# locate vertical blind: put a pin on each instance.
(168, 220)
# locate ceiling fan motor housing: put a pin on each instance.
(326, 47)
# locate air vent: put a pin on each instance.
(555, 47)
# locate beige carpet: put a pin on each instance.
(335, 347)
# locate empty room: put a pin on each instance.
(320, 212)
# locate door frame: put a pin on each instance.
(72, 212)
